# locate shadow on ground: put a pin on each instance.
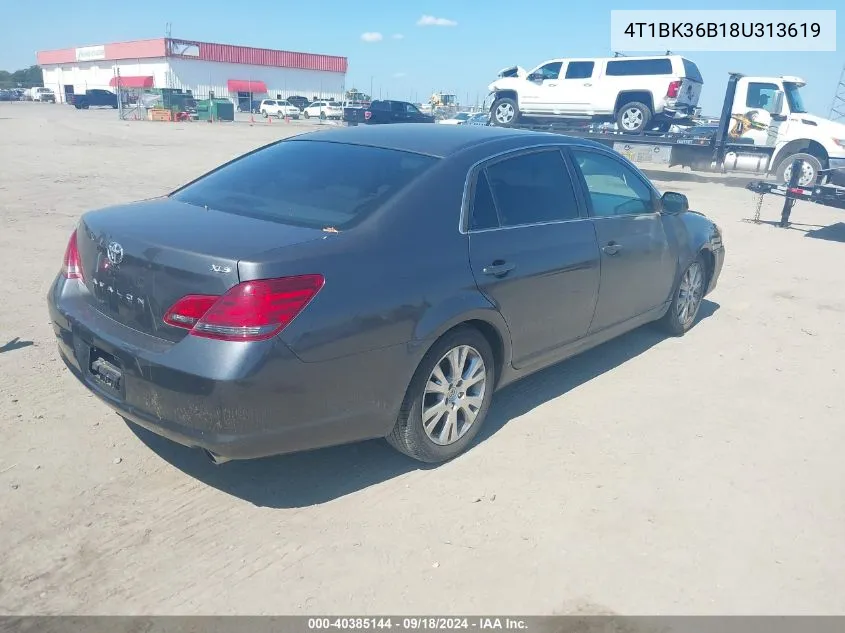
(831, 233)
(14, 344)
(305, 479)
(685, 176)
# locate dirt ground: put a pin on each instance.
(649, 476)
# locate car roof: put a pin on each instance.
(438, 140)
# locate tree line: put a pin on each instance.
(24, 78)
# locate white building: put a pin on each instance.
(235, 72)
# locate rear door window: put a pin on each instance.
(307, 183)
(533, 188)
(579, 70)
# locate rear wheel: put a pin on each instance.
(505, 112)
(305, 114)
(448, 398)
(687, 299)
(633, 117)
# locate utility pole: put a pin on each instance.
(837, 108)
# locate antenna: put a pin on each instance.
(837, 108)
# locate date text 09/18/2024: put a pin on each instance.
(427, 623)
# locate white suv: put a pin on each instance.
(324, 110)
(279, 109)
(638, 93)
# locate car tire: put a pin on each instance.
(504, 112)
(306, 115)
(633, 117)
(809, 170)
(264, 113)
(409, 436)
(686, 298)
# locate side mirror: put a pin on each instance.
(777, 106)
(674, 202)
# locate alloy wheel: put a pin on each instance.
(690, 292)
(454, 394)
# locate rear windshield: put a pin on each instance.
(622, 68)
(691, 72)
(307, 183)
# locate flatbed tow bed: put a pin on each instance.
(736, 144)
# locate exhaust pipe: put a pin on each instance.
(216, 459)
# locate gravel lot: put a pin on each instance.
(695, 475)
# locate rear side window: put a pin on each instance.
(532, 188)
(380, 105)
(627, 67)
(579, 70)
(483, 212)
(307, 183)
(691, 72)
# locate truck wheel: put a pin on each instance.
(505, 112)
(633, 117)
(810, 169)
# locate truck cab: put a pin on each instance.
(767, 114)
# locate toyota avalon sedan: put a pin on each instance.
(370, 282)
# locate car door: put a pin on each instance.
(637, 267)
(533, 250)
(541, 93)
(573, 90)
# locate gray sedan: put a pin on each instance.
(370, 282)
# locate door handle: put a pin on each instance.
(498, 268)
(588, 84)
(611, 248)
(552, 85)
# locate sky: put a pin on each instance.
(458, 48)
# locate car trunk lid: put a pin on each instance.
(139, 259)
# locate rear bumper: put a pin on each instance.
(238, 401)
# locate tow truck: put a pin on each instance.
(763, 129)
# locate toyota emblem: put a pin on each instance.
(115, 253)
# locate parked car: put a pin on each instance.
(387, 111)
(323, 110)
(95, 98)
(298, 101)
(278, 109)
(291, 299)
(480, 118)
(456, 119)
(638, 93)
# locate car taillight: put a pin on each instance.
(251, 311)
(367, 115)
(674, 89)
(72, 264)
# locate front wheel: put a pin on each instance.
(810, 169)
(504, 112)
(306, 115)
(633, 117)
(448, 398)
(686, 299)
